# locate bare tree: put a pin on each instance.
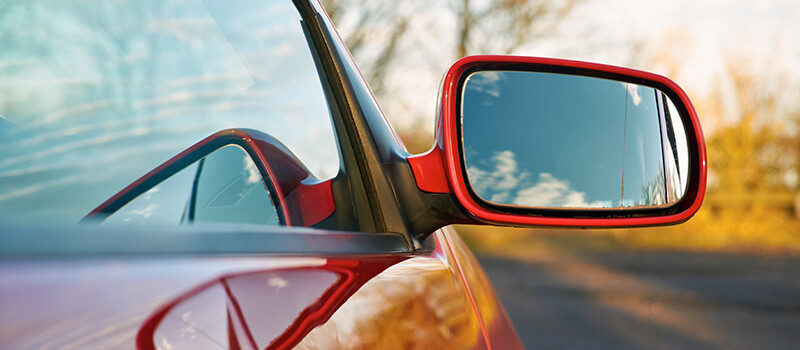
(365, 22)
(494, 26)
(391, 36)
(503, 26)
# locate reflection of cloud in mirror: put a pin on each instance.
(633, 90)
(552, 192)
(485, 81)
(489, 76)
(506, 184)
(501, 181)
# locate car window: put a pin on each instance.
(229, 188)
(164, 204)
(224, 186)
(93, 95)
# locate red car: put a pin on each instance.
(217, 174)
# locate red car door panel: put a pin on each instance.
(388, 300)
(352, 302)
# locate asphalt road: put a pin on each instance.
(650, 300)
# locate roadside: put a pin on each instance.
(596, 295)
(727, 279)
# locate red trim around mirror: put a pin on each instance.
(445, 153)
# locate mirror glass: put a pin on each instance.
(224, 186)
(550, 140)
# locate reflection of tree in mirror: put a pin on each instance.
(504, 183)
(653, 192)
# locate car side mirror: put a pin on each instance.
(233, 176)
(535, 141)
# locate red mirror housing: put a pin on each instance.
(443, 170)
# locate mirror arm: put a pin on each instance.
(429, 171)
(436, 206)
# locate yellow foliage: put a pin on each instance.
(759, 229)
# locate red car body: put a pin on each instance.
(370, 263)
(435, 297)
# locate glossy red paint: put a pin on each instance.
(257, 316)
(447, 147)
(304, 200)
(307, 200)
(446, 251)
(495, 324)
(419, 302)
(429, 171)
(352, 273)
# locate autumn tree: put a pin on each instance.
(751, 149)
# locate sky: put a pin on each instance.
(713, 28)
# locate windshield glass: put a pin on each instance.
(94, 94)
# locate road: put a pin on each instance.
(649, 300)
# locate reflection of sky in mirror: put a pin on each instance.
(643, 176)
(554, 140)
(681, 147)
(95, 94)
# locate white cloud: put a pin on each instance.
(552, 192)
(253, 175)
(506, 184)
(633, 90)
(505, 171)
(485, 81)
(145, 212)
(500, 181)
(185, 29)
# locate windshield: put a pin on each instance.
(94, 94)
